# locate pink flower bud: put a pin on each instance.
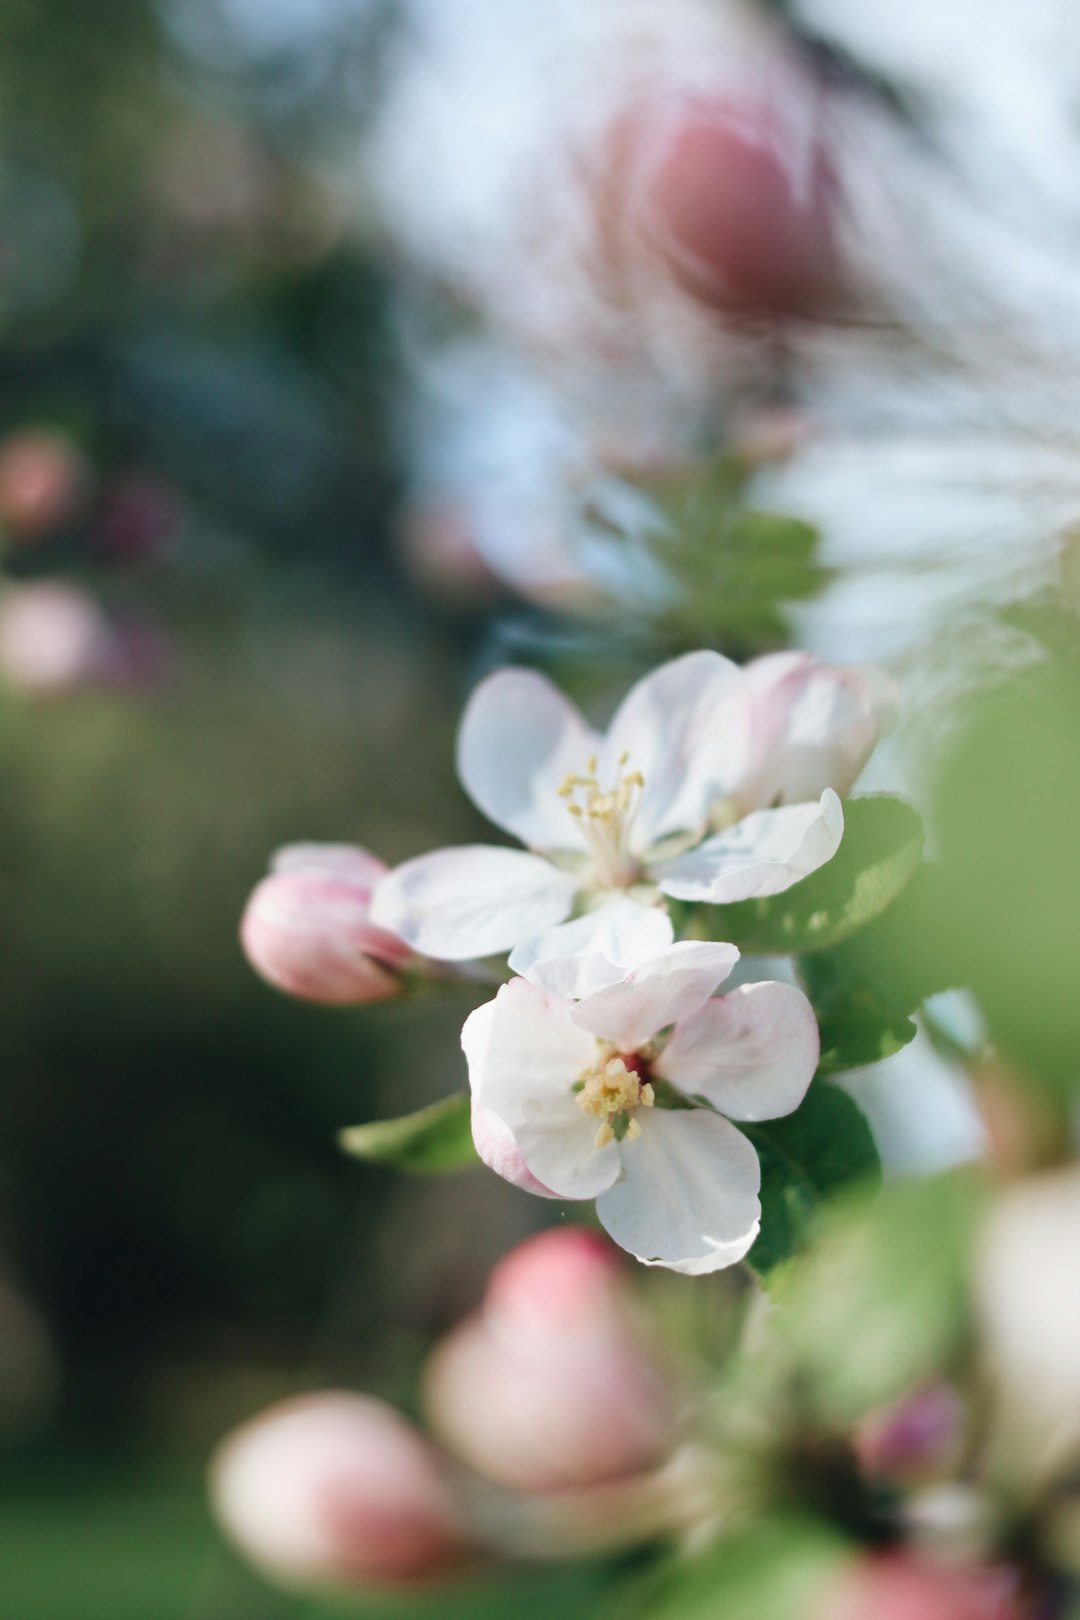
(137, 519)
(335, 1490)
(552, 1385)
(740, 198)
(306, 928)
(899, 1586)
(54, 638)
(814, 726)
(43, 480)
(916, 1439)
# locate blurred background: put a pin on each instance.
(348, 347)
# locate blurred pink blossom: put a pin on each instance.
(54, 638)
(899, 1586)
(43, 481)
(916, 1438)
(336, 1490)
(553, 1385)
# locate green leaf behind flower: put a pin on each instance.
(822, 1150)
(880, 852)
(769, 1572)
(432, 1141)
(866, 989)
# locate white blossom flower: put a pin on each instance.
(711, 784)
(626, 1096)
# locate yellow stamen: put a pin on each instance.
(605, 816)
(611, 1092)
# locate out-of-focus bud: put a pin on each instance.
(336, 1490)
(54, 638)
(307, 930)
(442, 555)
(1028, 1299)
(916, 1439)
(740, 198)
(764, 437)
(43, 481)
(552, 1384)
(814, 726)
(137, 519)
(899, 1586)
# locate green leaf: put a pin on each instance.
(857, 1021)
(771, 1572)
(882, 844)
(823, 1149)
(430, 1142)
(865, 990)
(880, 1302)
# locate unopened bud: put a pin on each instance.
(552, 1384)
(43, 479)
(740, 198)
(307, 929)
(54, 638)
(916, 1439)
(336, 1490)
(899, 1586)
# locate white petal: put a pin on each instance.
(752, 1053)
(763, 854)
(688, 1196)
(657, 994)
(495, 1144)
(471, 901)
(815, 726)
(686, 728)
(519, 739)
(524, 1055)
(576, 958)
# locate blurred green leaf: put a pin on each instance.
(774, 1572)
(734, 567)
(879, 1303)
(1005, 804)
(865, 990)
(432, 1141)
(882, 844)
(821, 1150)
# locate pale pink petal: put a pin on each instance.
(815, 726)
(688, 1195)
(657, 994)
(751, 1053)
(577, 958)
(524, 1054)
(345, 860)
(685, 727)
(495, 1144)
(763, 854)
(519, 740)
(472, 901)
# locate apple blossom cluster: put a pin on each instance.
(609, 1068)
(560, 1424)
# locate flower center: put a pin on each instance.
(605, 816)
(612, 1089)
